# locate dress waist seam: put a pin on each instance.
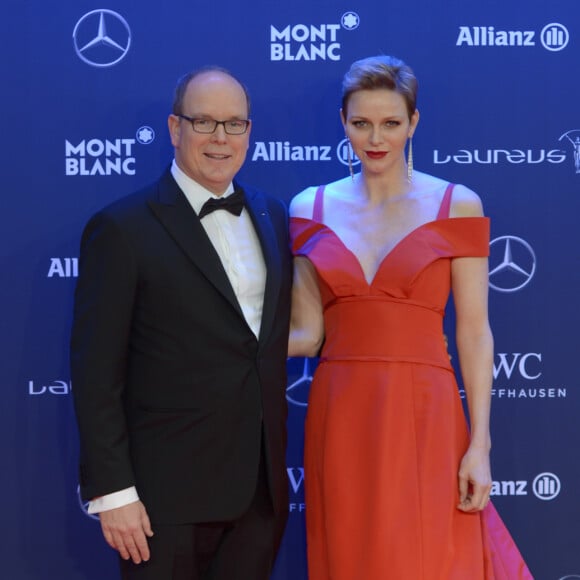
(398, 359)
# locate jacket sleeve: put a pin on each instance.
(104, 302)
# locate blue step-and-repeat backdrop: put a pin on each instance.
(87, 88)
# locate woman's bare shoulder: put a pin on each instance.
(465, 202)
(302, 203)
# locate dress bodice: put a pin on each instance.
(398, 315)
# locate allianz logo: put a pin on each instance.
(489, 36)
(546, 486)
(285, 151)
(63, 268)
(553, 37)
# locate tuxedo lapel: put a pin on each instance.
(258, 210)
(178, 217)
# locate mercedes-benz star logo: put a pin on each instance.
(102, 38)
(297, 391)
(84, 505)
(512, 264)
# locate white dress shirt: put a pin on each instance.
(236, 242)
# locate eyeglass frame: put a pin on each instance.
(223, 123)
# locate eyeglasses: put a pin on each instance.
(233, 127)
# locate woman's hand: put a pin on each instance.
(474, 480)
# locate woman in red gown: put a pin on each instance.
(396, 486)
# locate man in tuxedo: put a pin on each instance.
(178, 355)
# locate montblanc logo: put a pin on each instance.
(308, 42)
(94, 156)
(553, 37)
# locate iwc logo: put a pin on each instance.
(102, 38)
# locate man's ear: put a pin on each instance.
(174, 126)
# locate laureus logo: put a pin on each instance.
(573, 137)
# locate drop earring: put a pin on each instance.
(349, 156)
(410, 161)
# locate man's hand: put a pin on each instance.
(126, 530)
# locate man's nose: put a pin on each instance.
(220, 133)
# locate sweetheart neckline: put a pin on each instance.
(391, 251)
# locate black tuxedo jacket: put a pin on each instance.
(173, 392)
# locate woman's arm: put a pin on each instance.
(475, 347)
(306, 320)
(469, 277)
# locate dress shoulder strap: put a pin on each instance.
(317, 209)
(445, 202)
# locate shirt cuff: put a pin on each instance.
(113, 500)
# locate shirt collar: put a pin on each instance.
(195, 193)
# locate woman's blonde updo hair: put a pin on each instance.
(381, 72)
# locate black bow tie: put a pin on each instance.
(233, 203)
